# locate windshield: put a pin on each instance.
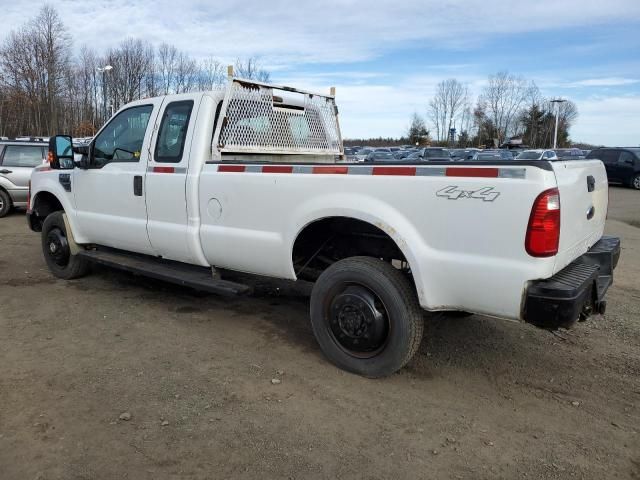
(529, 156)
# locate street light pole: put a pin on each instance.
(557, 101)
(104, 70)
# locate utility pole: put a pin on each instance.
(104, 70)
(557, 101)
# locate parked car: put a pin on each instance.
(361, 155)
(622, 164)
(483, 156)
(380, 156)
(538, 154)
(17, 159)
(154, 194)
(569, 153)
(435, 154)
(460, 155)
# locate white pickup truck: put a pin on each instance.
(252, 179)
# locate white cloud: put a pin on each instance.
(309, 31)
(608, 121)
(605, 82)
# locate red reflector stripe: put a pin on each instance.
(406, 171)
(333, 170)
(231, 168)
(472, 172)
(164, 169)
(277, 169)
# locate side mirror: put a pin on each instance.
(61, 152)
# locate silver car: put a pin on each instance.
(17, 159)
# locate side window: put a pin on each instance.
(22, 156)
(122, 138)
(173, 132)
(626, 158)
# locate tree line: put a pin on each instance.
(46, 89)
(508, 106)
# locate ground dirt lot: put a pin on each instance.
(482, 399)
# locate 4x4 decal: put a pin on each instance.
(452, 192)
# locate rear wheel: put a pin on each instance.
(56, 250)
(635, 182)
(5, 203)
(366, 316)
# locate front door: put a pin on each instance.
(110, 195)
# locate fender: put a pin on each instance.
(378, 214)
(48, 181)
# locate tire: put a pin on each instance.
(366, 317)
(5, 204)
(635, 182)
(55, 249)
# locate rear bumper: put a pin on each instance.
(576, 291)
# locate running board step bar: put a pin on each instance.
(198, 278)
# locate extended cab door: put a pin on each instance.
(109, 195)
(166, 177)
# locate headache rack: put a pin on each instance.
(262, 119)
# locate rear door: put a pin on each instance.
(16, 165)
(583, 206)
(167, 176)
(626, 166)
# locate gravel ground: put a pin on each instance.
(114, 376)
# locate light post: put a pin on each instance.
(104, 70)
(557, 101)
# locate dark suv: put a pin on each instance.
(622, 164)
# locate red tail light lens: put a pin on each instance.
(543, 231)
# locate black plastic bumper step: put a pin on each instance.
(576, 291)
(198, 278)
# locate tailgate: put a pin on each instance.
(584, 199)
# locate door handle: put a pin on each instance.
(137, 185)
(591, 183)
(5, 171)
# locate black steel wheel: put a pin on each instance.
(57, 252)
(366, 316)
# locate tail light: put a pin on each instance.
(29, 196)
(543, 231)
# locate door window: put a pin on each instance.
(173, 132)
(22, 156)
(626, 159)
(122, 139)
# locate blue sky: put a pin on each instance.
(386, 57)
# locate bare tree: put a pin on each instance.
(251, 69)
(166, 66)
(446, 107)
(505, 95)
(211, 74)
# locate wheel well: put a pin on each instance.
(326, 241)
(44, 204)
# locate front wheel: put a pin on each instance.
(635, 182)
(56, 250)
(5, 203)
(366, 316)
